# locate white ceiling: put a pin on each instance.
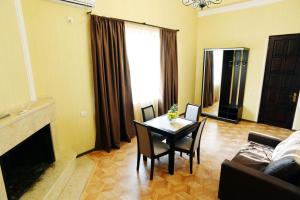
(233, 5)
(228, 2)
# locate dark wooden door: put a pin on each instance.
(281, 82)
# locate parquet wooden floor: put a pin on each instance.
(116, 178)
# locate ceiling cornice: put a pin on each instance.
(235, 7)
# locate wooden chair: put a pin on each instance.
(192, 112)
(148, 147)
(190, 145)
(148, 114)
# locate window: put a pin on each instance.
(143, 49)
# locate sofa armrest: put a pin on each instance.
(264, 139)
(240, 182)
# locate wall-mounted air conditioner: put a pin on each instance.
(87, 3)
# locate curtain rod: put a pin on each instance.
(141, 23)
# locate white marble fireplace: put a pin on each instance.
(17, 128)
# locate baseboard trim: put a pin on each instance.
(84, 153)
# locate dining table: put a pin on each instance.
(173, 130)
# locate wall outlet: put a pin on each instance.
(83, 114)
(70, 20)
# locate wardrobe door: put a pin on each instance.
(232, 65)
(235, 77)
(226, 77)
(233, 84)
(244, 65)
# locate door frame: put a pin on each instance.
(267, 67)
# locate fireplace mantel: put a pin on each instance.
(17, 127)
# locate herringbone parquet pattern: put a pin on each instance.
(116, 177)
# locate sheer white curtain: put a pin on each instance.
(143, 49)
(218, 63)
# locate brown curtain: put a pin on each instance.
(113, 98)
(169, 70)
(208, 96)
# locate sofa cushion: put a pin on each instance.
(285, 162)
(286, 168)
(254, 155)
(289, 147)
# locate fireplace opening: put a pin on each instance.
(23, 165)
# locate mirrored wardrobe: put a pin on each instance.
(223, 85)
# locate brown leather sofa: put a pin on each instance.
(244, 178)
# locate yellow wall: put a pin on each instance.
(296, 125)
(13, 80)
(247, 28)
(61, 58)
(60, 54)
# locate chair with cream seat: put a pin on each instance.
(148, 147)
(192, 112)
(190, 145)
(148, 114)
